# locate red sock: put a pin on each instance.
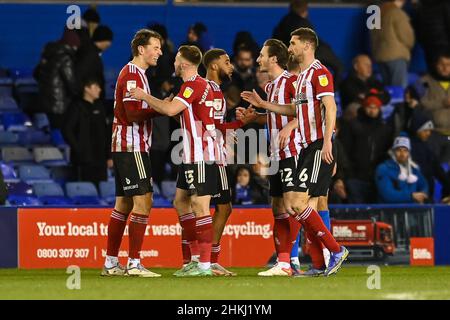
(215, 251)
(204, 237)
(294, 228)
(281, 237)
(116, 226)
(187, 222)
(138, 224)
(315, 250)
(312, 221)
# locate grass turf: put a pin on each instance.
(350, 283)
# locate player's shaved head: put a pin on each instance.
(278, 49)
(142, 38)
(191, 54)
(306, 35)
(212, 55)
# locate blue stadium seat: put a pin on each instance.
(57, 138)
(34, 173)
(6, 85)
(397, 94)
(412, 78)
(34, 137)
(83, 193)
(20, 189)
(8, 138)
(26, 91)
(16, 121)
(7, 103)
(108, 191)
(40, 121)
(49, 156)
(9, 174)
(17, 155)
(23, 201)
(51, 194)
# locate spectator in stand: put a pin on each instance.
(90, 64)
(437, 93)
(245, 39)
(247, 190)
(366, 140)
(56, 78)
(85, 132)
(433, 28)
(298, 18)
(392, 43)
(90, 21)
(400, 119)
(198, 36)
(360, 81)
(421, 129)
(399, 179)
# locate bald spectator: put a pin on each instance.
(392, 43)
(437, 94)
(360, 81)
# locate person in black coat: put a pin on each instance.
(89, 62)
(360, 81)
(85, 131)
(298, 18)
(421, 129)
(401, 117)
(366, 141)
(55, 75)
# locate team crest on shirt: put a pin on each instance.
(131, 84)
(187, 93)
(323, 80)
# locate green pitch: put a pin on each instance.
(349, 283)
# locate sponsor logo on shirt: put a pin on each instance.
(323, 80)
(131, 84)
(187, 93)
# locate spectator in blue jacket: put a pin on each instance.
(399, 179)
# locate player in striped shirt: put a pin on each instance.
(315, 109)
(284, 151)
(198, 174)
(131, 139)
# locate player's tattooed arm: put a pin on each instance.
(254, 99)
(167, 107)
(330, 122)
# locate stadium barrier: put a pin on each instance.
(59, 237)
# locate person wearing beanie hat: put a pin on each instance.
(366, 140)
(399, 179)
(70, 38)
(421, 130)
(90, 64)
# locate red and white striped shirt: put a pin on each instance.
(219, 114)
(312, 84)
(282, 91)
(130, 136)
(197, 121)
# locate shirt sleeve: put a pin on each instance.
(130, 81)
(323, 83)
(189, 92)
(289, 91)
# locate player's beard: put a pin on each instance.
(294, 59)
(224, 77)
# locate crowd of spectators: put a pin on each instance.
(393, 157)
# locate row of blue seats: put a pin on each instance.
(17, 121)
(76, 193)
(45, 155)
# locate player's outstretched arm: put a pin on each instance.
(167, 107)
(254, 99)
(330, 122)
